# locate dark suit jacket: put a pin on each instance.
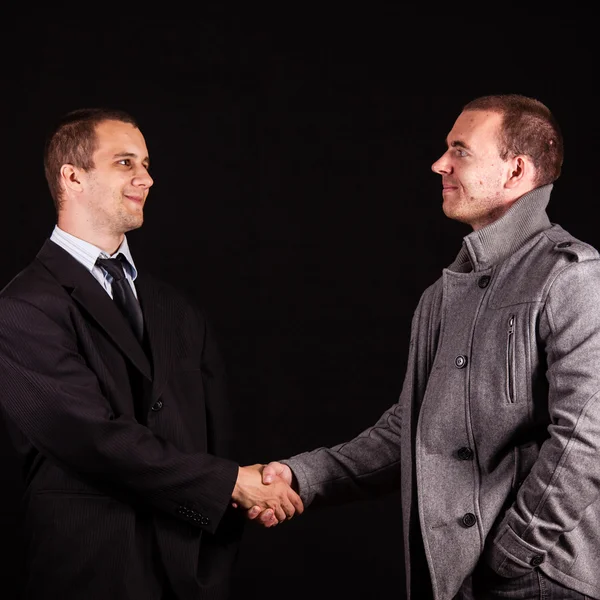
(124, 448)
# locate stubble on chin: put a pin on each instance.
(129, 221)
(134, 223)
(449, 208)
(453, 211)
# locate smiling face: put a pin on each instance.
(114, 191)
(477, 187)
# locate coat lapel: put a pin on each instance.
(159, 318)
(88, 293)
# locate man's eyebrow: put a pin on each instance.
(131, 155)
(458, 144)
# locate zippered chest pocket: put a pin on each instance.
(510, 360)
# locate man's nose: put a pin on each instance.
(441, 166)
(142, 178)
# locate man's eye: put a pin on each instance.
(461, 153)
(124, 161)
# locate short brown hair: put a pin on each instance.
(73, 141)
(528, 128)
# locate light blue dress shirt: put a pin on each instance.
(87, 254)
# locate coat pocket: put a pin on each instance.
(510, 361)
(525, 457)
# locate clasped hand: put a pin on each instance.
(266, 494)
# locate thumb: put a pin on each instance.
(268, 473)
(272, 471)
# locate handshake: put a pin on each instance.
(266, 493)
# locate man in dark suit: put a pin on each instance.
(118, 418)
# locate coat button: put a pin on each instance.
(563, 245)
(460, 361)
(484, 281)
(465, 453)
(157, 405)
(469, 519)
(537, 560)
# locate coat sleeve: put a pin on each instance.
(371, 464)
(565, 479)
(368, 465)
(376, 460)
(56, 401)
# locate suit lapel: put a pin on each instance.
(159, 317)
(88, 293)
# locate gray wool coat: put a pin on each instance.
(494, 442)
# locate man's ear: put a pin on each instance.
(521, 171)
(71, 177)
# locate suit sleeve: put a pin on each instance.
(55, 400)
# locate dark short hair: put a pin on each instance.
(73, 141)
(528, 128)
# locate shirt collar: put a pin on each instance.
(87, 253)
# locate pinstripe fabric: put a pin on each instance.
(124, 448)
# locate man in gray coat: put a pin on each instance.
(494, 442)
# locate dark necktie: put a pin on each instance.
(123, 294)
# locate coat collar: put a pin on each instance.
(88, 293)
(490, 245)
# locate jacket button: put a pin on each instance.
(537, 560)
(484, 281)
(465, 453)
(157, 405)
(460, 361)
(469, 519)
(563, 245)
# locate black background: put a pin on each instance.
(293, 198)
